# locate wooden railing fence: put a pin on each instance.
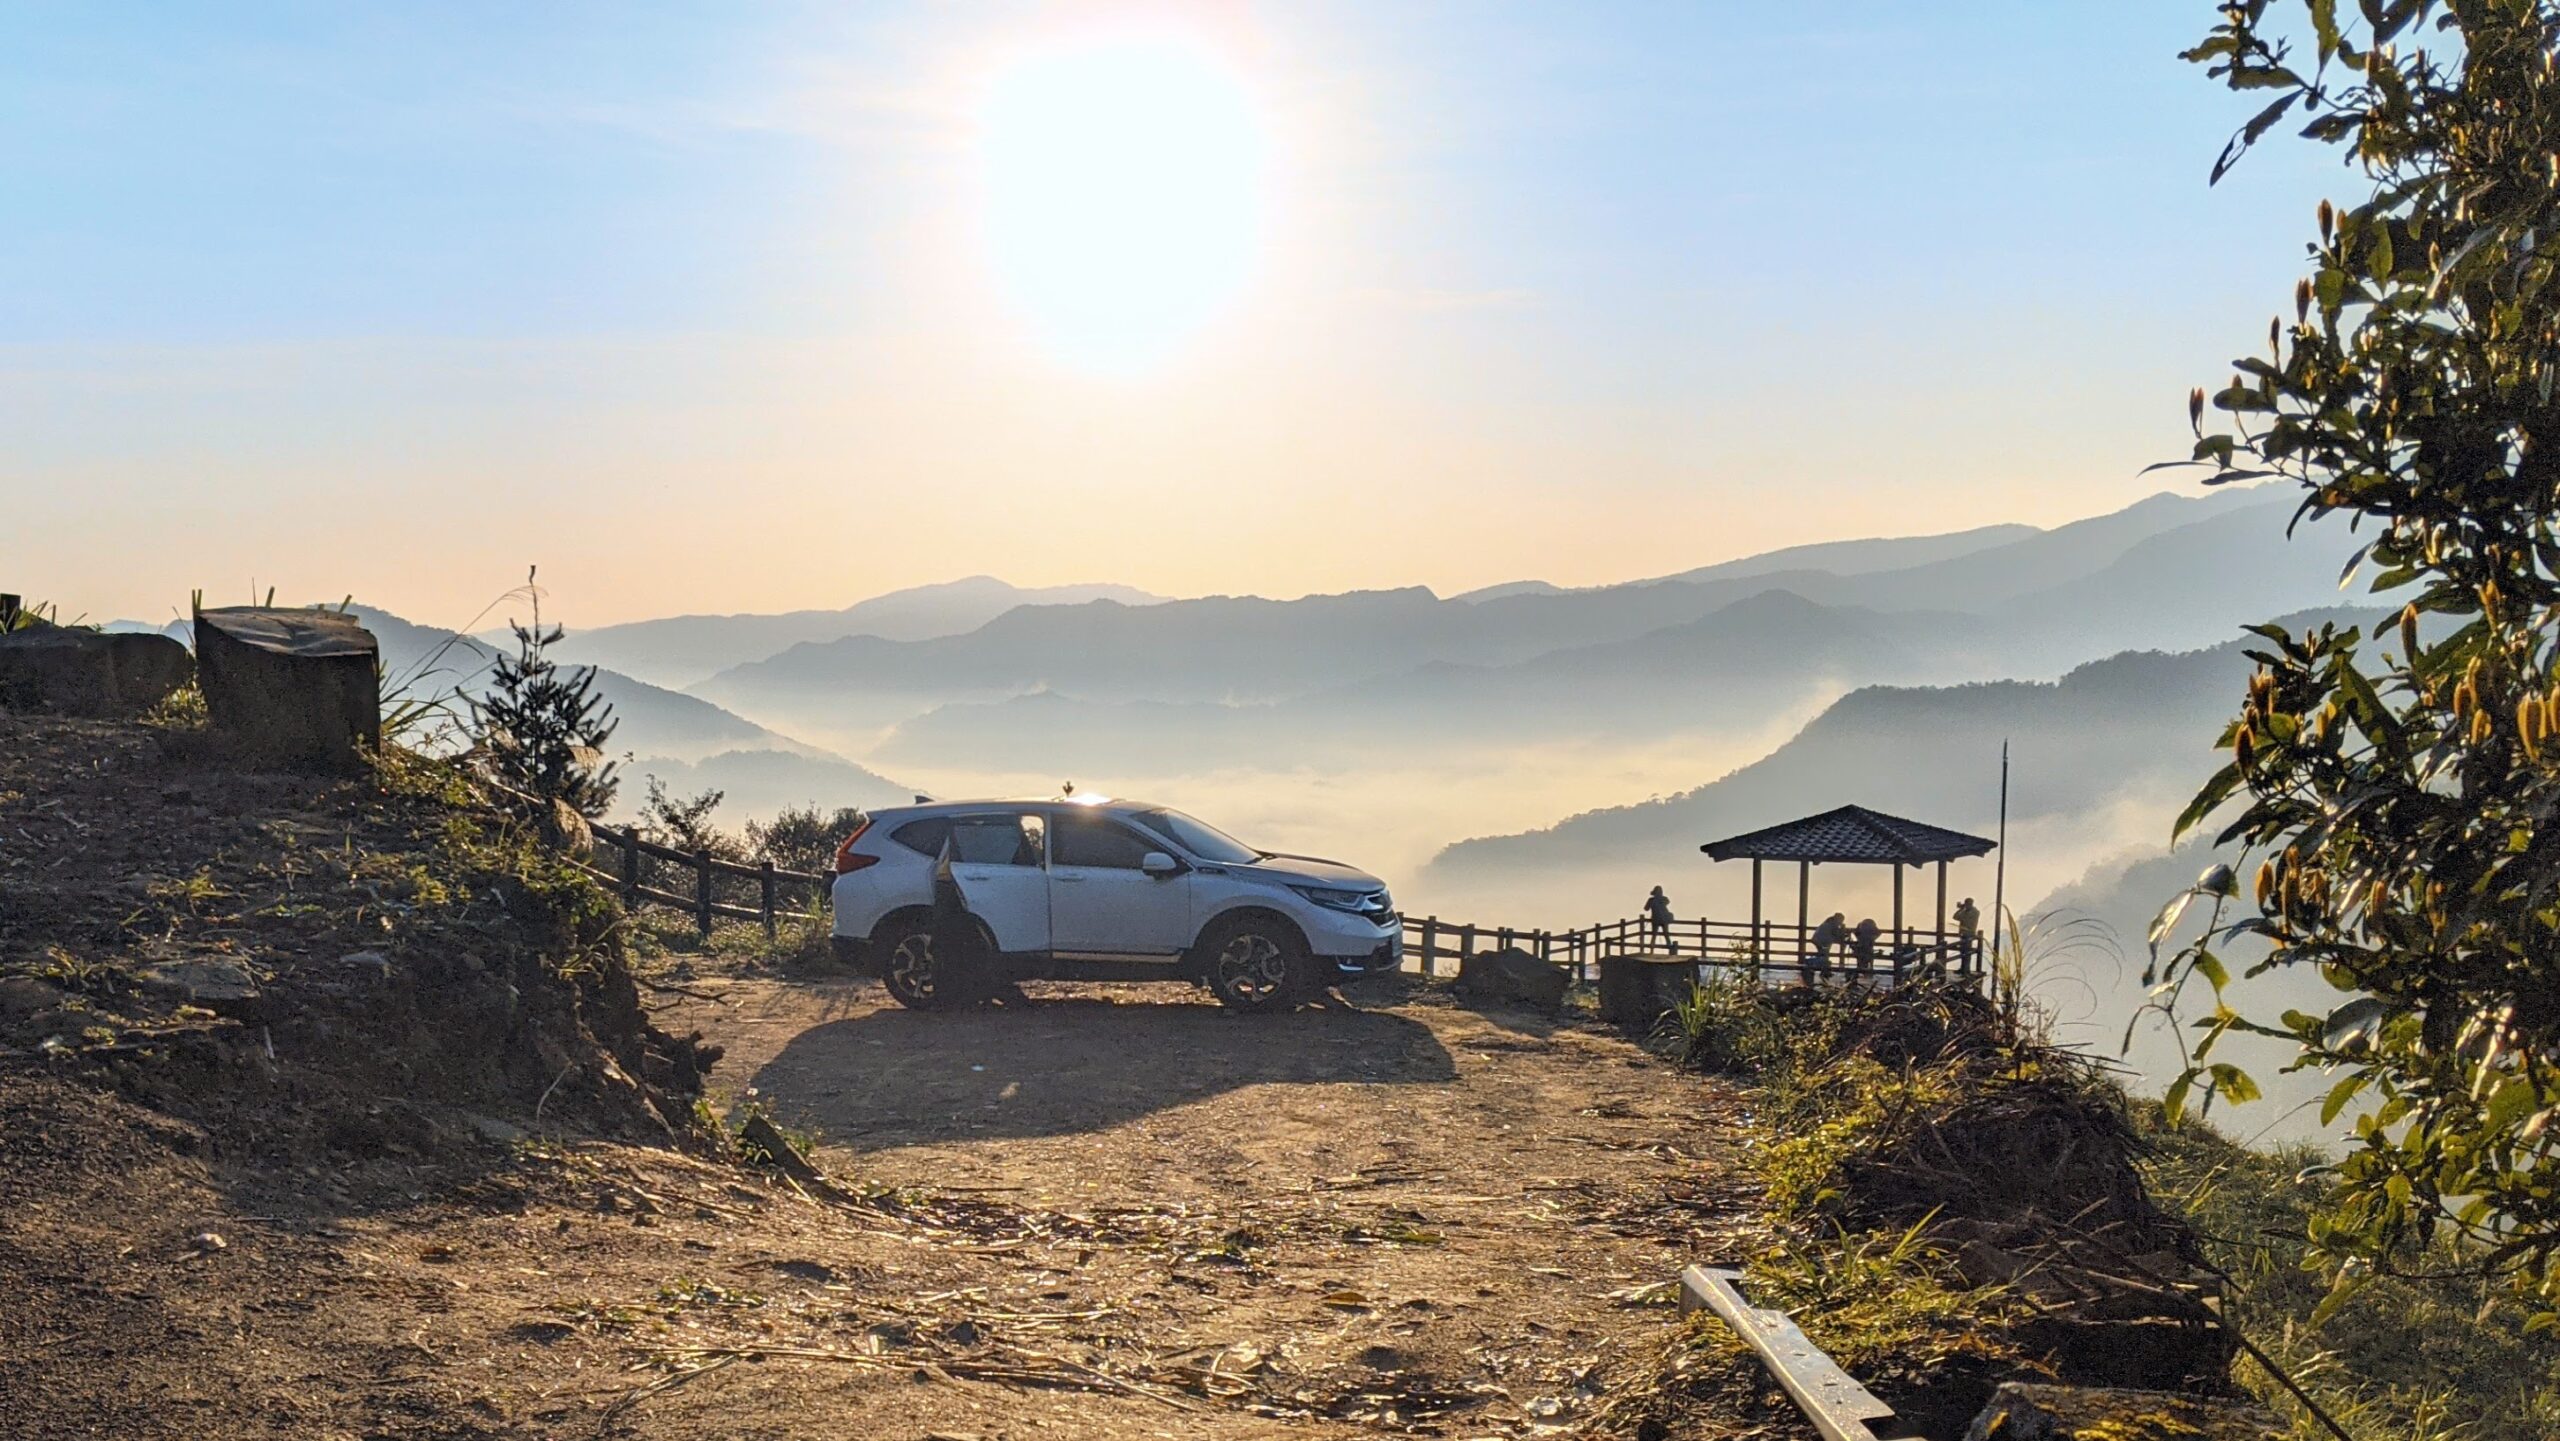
(643, 872)
(1782, 948)
(704, 884)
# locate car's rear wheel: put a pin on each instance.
(1256, 964)
(907, 966)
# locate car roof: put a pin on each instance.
(1102, 804)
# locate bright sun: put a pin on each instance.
(1123, 191)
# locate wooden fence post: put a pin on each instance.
(630, 870)
(1430, 943)
(765, 876)
(702, 892)
(1466, 943)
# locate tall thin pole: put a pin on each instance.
(2000, 873)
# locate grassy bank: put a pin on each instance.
(1959, 1202)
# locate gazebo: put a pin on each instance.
(1851, 835)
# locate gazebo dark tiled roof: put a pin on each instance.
(1852, 835)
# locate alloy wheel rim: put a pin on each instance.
(912, 964)
(1251, 966)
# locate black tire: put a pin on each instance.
(906, 965)
(1257, 963)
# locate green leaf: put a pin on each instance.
(2512, 1102)
(2339, 1095)
(2173, 1102)
(2215, 792)
(2211, 968)
(2234, 1084)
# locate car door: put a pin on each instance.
(1102, 904)
(997, 859)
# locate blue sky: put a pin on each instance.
(691, 303)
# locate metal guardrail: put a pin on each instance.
(1838, 1407)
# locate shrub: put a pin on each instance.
(685, 824)
(2400, 789)
(803, 838)
(540, 730)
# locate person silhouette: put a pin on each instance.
(1833, 930)
(1862, 943)
(1968, 934)
(1657, 910)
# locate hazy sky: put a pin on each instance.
(727, 307)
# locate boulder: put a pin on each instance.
(2024, 1412)
(201, 982)
(1514, 975)
(70, 670)
(566, 831)
(1634, 992)
(290, 687)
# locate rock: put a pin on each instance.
(206, 983)
(1512, 974)
(566, 831)
(24, 996)
(2088, 1345)
(68, 670)
(290, 687)
(1634, 991)
(372, 963)
(2023, 1412)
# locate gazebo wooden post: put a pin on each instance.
(1942, 908)
(1804, 907)
(1899, 939)
(1759, 942)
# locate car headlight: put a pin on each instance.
(1331, 899)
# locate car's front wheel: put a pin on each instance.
(1257, 964)
(907, 966)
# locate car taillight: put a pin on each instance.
(846, 860)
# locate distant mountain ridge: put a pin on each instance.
(680, 650)
(684, 740)
(2133, 724)
(2016, 601)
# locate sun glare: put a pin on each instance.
(1123, 192)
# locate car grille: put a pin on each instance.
(1378, 907)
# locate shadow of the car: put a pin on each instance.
(897, 1077)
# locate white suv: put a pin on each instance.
(1108, 890)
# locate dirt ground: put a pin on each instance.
(1120, 1212)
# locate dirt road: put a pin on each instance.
(1121, 1212)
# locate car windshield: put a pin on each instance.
(1198, 837)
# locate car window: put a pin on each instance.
(996, 840)
(1099, 843)
(924, 837)
(1198, 837)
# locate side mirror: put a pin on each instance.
(1160, 865)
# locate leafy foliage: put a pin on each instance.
(2402, 791)
(685, 823)
(803, 838)
(542, 730)
(2433, 1355)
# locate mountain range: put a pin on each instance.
(688, 743)
(682, 649)
(1358, 678)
